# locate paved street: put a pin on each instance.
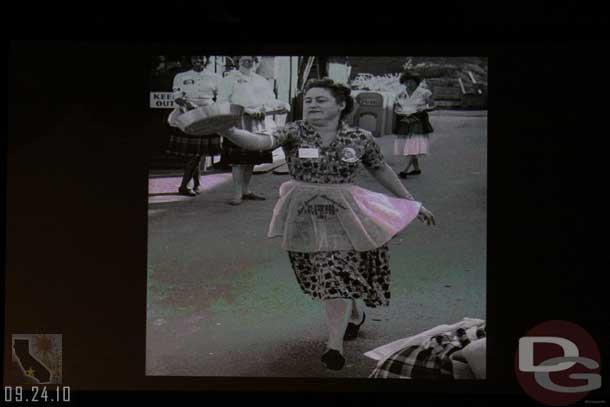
(223, 300)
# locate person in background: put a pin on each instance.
(413, 127)
(335, 232)
(192, 89)
(161, 67)
(163, 73)
(255, 94)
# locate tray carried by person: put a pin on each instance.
(207, 120)
(273, 110)
(406, 110)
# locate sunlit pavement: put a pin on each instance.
(223, 300)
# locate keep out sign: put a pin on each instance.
(161, 100)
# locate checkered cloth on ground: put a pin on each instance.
(429, 360)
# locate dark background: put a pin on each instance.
(77, 157)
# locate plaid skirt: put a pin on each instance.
(238, 156)
(183, 145)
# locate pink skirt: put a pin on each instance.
(413, 145)
(327, 217)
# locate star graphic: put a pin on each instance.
(30, 372)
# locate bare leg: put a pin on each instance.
(196, 172)
(415, 163)
(409, 163)
(247, 175)
(337, 314)
(238, 182)
(189, 168)
(356, 314)
(248, 193)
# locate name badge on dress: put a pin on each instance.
(309, 153)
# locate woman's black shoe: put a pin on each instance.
(351, 332)
(186, 192)
(402, 174)
(333, 359)
(414, 172)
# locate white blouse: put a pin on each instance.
(252, 91)
(197, 87)
(408, 104)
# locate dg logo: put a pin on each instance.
(558, 363)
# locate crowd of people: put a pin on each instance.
(336, 233)
(243, 86)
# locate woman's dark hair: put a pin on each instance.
(340, 92)
(406, 76)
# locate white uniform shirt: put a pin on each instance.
(197, 87)
(252, 91)
(267, 68)
(408, 104)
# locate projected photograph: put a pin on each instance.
(317, 216)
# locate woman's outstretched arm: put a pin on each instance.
(248, 140)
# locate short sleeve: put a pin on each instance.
(285, 135)
(372, 157)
